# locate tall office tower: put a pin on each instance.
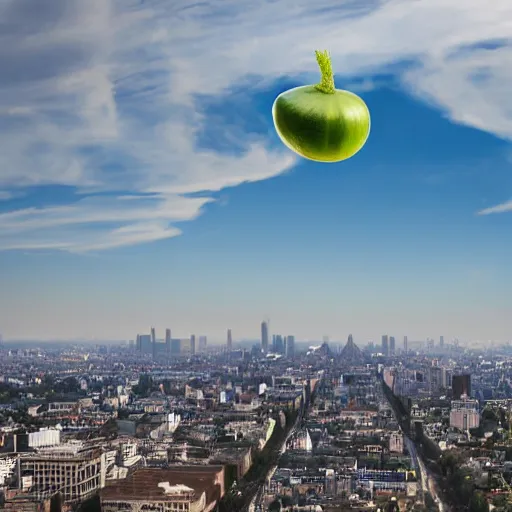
(229, 342)
(290, 347)
(193, 344)
(153, 342)
(385, 346)
(441, 341)
(202, 344)
(175, 346)
(264, 337)
(138, 347)
(168, 342)
(391, 345)
(406, 348)
(278, 344)
(144, 341)
(461, 385)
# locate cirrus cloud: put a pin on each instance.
(499, 208)
(100, 96)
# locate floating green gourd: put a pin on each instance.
(320, 122)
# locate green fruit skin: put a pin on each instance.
(319, 126)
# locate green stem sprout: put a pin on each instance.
(326, 85)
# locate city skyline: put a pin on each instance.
(266, 339)
(142, 181)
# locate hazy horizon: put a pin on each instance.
(238, 341)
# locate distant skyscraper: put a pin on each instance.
(168, 342)
(461, 385)
(406, 348)
(144, 345)
(278, 344)
(392, 346)
(202, 344)
(175, 346)
(290, 347)
(193, 344)
(441, 341)
(153, 342)
(385, 346)
(264, 337)
(229, 342)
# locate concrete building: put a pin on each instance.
(202, 344)
(236, 460)
(464, 414)
(461, 385)
(396, 442)
(186, 346)
(61, 406)
(385, 345)
(290, 347)
(392, 346)
(72, 470)
(464, 419)
(264, 337)
(153, 343)
(143, 344)
(44, 438)
(175, 346)
(168, 343)
(278, 344)
(229, 341)
(178, 489)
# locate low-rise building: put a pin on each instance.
(177, 489)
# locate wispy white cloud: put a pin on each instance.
(100, 95)
(4, 195)
(499, 208)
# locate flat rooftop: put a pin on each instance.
(143, 484)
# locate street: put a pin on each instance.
(427, 483)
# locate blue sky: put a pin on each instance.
(142, 182)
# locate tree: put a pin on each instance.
(448, 462)
(500, 501)
(478, 503)
(429, 501)
(275, 506)
(489, 415)
(286, 501)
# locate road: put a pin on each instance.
(254, 492)
(255, 503)
(427, 482)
